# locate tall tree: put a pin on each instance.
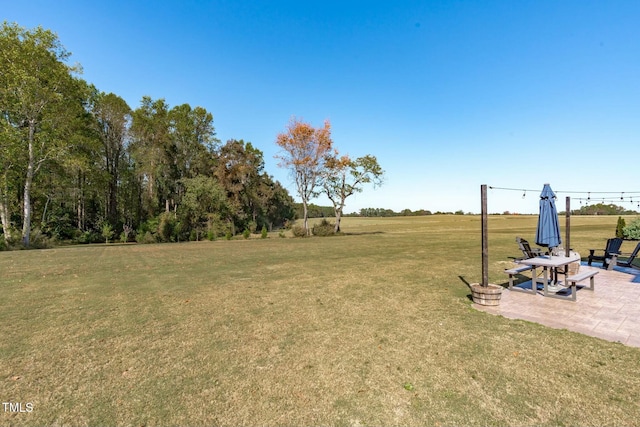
(112, 120)
(151, 148)
(344, 177)
(204, 201)
(194, 138)
(305, 149)
(239, 171)
(75, 177)
(277, 204)
(37, 97)
(10, 164)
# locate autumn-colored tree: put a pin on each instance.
(305, 149)
(344, 177)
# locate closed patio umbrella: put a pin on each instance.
(548, 233)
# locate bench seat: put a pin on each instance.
(573, 280)
(517, 270)
(582, 276)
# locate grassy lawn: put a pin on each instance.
(371, 328)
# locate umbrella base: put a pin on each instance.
(555, 288)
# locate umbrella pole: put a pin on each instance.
(568, 226)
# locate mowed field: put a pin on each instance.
(374, 327)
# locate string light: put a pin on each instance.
(604, 195)
(611, 197)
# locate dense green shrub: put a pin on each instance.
(89, 236)
(228, 235)
(246, 233)
(149, 226)
(147, 237)
(3, 245)
(166, 225)
(299, 231)
(325, 228)
(216, 225)
(620, 227)
(263, 233)
(39, 240)
(632, 231)
(59, 224)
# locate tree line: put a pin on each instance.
(80, 164)
(603, 209)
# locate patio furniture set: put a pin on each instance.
(553, 265)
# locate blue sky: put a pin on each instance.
(448, 95)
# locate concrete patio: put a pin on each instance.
(611, 312)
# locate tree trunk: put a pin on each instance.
(112, 202)
(26, 220)
(80, 201)
(338, 217)
(4, 215)
(44, 213)
(306, 221)
(26, 223)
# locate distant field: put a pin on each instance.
(374, 327)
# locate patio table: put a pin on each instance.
(548, 263)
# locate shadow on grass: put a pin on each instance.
(92, 245)
(361, 233)
(504, 285)
(466, 282)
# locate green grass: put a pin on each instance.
(374, 327)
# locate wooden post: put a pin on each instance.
(485, 243)
(567, 243)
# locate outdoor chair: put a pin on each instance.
(629, 258)
(612, 248)
(526, 249)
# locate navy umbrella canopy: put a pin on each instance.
(548, 229)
